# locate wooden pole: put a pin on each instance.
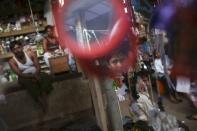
(99, 104)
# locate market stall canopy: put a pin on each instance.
(90, 9)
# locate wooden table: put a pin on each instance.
(58, 64)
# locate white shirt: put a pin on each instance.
(28, 67)
(122, 90)
(158, 66)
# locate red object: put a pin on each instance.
(110, 42)
(87, 57)
(185, 50)
(161, 87)
(90, 66)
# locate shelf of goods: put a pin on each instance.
(25, 30)
(5, 57)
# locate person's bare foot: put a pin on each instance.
(192, 117)
(43, 104)
(173, 100)
(177, 97)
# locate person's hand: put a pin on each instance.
(121, 97)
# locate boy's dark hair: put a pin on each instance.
(48, 27)
(14, 43)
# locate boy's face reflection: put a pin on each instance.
(116, 62)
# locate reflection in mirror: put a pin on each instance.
(81, 17)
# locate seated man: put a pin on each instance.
(159, 68)
(50, 44)
(26, 66)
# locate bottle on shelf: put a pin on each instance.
(39, 49)
(1, 50)
(12, 76)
